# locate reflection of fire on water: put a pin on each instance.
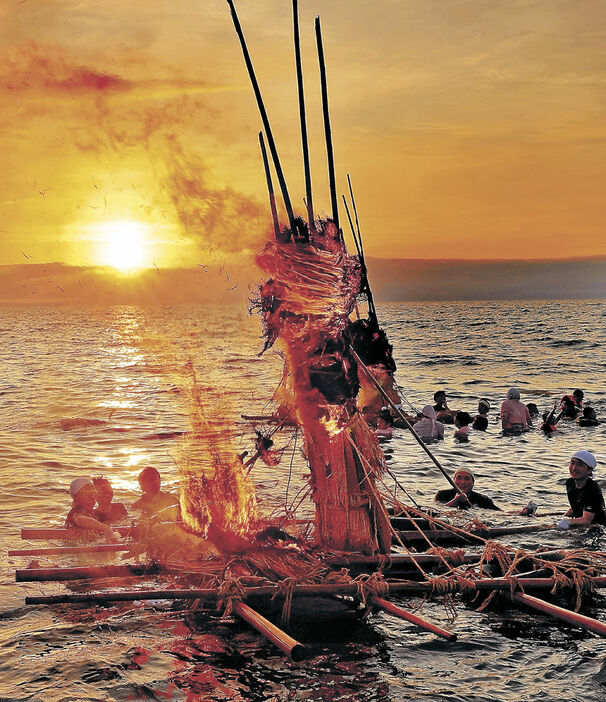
(217, 497)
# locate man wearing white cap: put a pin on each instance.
(584, 494)
(81, 515)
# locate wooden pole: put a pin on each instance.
(264, 117)
(565, 615)
(270, 187)
(395, 587)
(271, 632)
(66, 550)
(391, 608)
(304, 144)
(406, 422)
(327, 130)
(28, 575)
(476, 533)
(53, 533)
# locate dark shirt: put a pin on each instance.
(116, 512)
(475, 498)
(78, 511)
(589, 498)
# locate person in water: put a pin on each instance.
(153, 499)
(82, 514)
(533, 410)
(481, 420)
(462, 421)
(428, 428)
(515, 417)
(441, 408)
(464, 480)
(107, 511)
(568, 408)
(589, 418)
(385, 423)
(584, 494)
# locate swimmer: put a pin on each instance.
(464, 480)
(584, 494)
(427, 427)
(462, 421)
(533, 410)
(568, 408)
(443, 412)
(82, 514)
(107, 511)
(153, 499)
(385, 423)
(515, 417)
(481, 420)
(589, 418)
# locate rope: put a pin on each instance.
(372, 585)
(285, 589)
(230, 591)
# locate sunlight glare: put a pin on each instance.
(125, 245)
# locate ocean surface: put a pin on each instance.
(91, 391)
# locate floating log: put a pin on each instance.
(565, 615)
(271, 632)
(423, 559)
(70, 534)
(478, 534)
(391, 608)
(23, 575)
(396, 587)
(67, 550)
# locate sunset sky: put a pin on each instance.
(472, 129)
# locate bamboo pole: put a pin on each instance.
(406, 422)
(327, 131)
(391, 608)
(474, 533)
(67, 550)
(270, 187)
(395, 587)
(292, 648)
(264, 117)
(565, 615)
(304, 143)
(28, 575)
(73, 533)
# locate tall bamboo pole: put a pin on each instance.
(264, 117)
(304, 144)
(327, 131)
(270, 187)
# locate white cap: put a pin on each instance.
(77, 485)
(588, 458)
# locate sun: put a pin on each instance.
(125, 245)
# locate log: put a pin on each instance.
(70, 534)
(292, 648)
(565, 615)
(395, 587)
(391, 608)
(68, 550)
(397, 560)
(24, 575)
(478, 534)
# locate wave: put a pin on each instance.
(567, 342)
(164, 435)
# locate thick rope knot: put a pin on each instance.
(230, 591)
(448, 585)
(454, 557)
(285, 589)
(372, 585)
(383, 561)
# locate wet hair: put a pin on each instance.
(148, 472)
(483, 406)
(480, 423)
(589, 413)
(578, 393)
(533, 410)
(102, 483)
(463, 418)
(385, 415)
(437, 394)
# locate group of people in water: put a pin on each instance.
(515, 416)
(86, 493)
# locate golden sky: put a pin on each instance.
(472, 129)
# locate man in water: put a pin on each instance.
(107, 511)
(515, 417)
(480, 423)
(589, 418)
(82, 514)
(584, 494)
(428, 428)
(464, 480)
(441, 408)
(462, 421)
(153, 499)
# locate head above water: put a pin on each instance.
(483, 406)
(578, 395)
(105, 492)
(533, 410)
(464, 479)
(429, 412)
(462, 419)
(513, 394)
(589, 413)
(150, 481)
(585, 457)
(439, 396)
(83, 492)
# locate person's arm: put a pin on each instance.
(92, 524)
(528, 418)
(505, 409)
(585, 520)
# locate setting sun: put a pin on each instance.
(125, 245)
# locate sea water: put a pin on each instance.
(107, 391)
